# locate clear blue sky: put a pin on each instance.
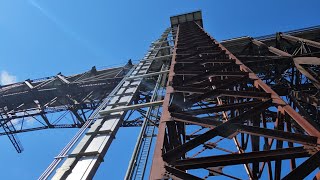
(43, 37)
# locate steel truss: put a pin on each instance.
(137, 91)
(248, 104)
(215, 100)
(291, 68)
(69, 100)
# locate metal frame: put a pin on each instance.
(212, 94)
(260, 95)
(25, 106)
(89, 152)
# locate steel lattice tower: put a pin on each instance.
(243, 107)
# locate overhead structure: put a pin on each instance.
(85, 158)
(242, 108)
(240, 119)
(25, 106)
(195, 16)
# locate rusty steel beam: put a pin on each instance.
(257, 131)
(158, 165)
(178, 174)
(224, 107)
(305, 168)
(234, 159)
(207, 74)
(299, 61)
(219, 92)
(298, 39)
(276, 134)
(221, 130)
(191, 62)
(271, 49)
(204, 122)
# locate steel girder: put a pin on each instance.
(292, 69)
(214, 100)
(24, 106)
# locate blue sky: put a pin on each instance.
(41, 38)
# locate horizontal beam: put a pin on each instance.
(252, 130)
(147, 75)
(157, 58)
(225, 107)
(131, 107)
(211, 74)
(161, 42)
(221, 130)
(271, 49)
(276, 134)
(204, 122)
(234, 159)
(297, 39)
(164, 47)
(180, 175)
(203, 61)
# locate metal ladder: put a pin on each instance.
(144, 152)
(139, 159)
(85, 159)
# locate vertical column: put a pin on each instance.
(204, 73)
